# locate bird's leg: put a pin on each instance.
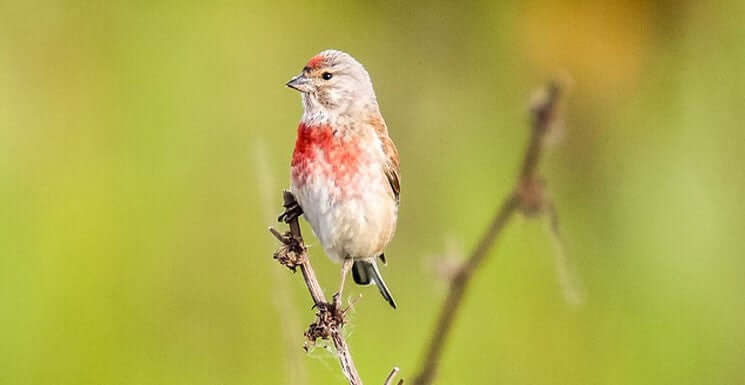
(292, 211)
(345, 267)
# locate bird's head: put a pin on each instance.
(333, 82)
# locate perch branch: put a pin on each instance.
(528, 196)
(329, 317)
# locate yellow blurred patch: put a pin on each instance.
(601, 45)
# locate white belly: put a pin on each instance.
(356, 221)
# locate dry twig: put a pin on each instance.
(389, 379)
(329, 317)
(528, 196)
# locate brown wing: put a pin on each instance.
(391, 165)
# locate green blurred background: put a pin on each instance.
(143, 147)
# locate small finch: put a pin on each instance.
(344, 170)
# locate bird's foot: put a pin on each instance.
(292, 211)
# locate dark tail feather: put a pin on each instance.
(365, 273)
(360, 273)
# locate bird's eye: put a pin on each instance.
(326, 75)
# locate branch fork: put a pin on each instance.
(532, 196)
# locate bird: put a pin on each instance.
(345, 168)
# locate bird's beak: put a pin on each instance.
(300, 83)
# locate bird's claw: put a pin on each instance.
(292, 211)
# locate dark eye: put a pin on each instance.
(326, 75)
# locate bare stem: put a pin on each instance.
(528, 196)
(329, 317)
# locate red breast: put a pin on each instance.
(319, 151)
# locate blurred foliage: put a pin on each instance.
(143, 147)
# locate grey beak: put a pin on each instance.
(300, 83)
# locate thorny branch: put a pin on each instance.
(528, 196)
(329, 317)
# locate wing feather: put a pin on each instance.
(391, 166)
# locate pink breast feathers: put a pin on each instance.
(318, 152)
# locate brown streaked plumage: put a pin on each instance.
(391, 166)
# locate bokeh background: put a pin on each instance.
(143, 147)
